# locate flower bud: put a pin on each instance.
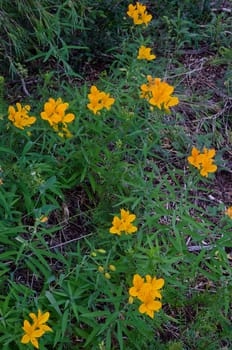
(107, 275)
(101, 251)
(43, 219)
(112, 267)
(101, 269)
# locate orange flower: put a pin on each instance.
(156, 284)
(194, 158)
(98, 100)
(126, 219)
(54, 113)
(207, 166)
(209, 153)
(138, 282)
(146, 88)
(139, 14)
(145, 54)
(31, 334)
(35, 330)
(147, 292)
(123, 224)
(149, 305)
(159, 93)
(229, 212)
(117, 226)
(40, 320)
(203, 161)
(20, 117)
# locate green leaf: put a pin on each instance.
(47, 185)
(53, 302)
(64, 322)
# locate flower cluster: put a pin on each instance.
(104, 271)
(98, 100)
(203, 161)
(123, 224)
(139, 14)
(145, 54)
(158, 93)
(36, 329)
(148, 293)
(228, 212)
(19, 116)
(54, 113)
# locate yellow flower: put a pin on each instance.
(95, 98)
(40, 320)
(123, 224)
(194, 158)
(149, 305)
(146, 88)
(229, 212)
(209, 153)
(35, 330)
(129, 228)
(31, 334)
(126, 216)
(107, 101)
(132, 11)
(203, 161)
(159, 93)
(147, 295)
(147, 292)
(126, 219)
(98, 100)
(145, 54)
(54, 113)
(155, 284)
(207, 166)
(117, 226)
(20, 117)
(139, 14)
(138, 282)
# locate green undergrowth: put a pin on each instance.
(58, 196)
